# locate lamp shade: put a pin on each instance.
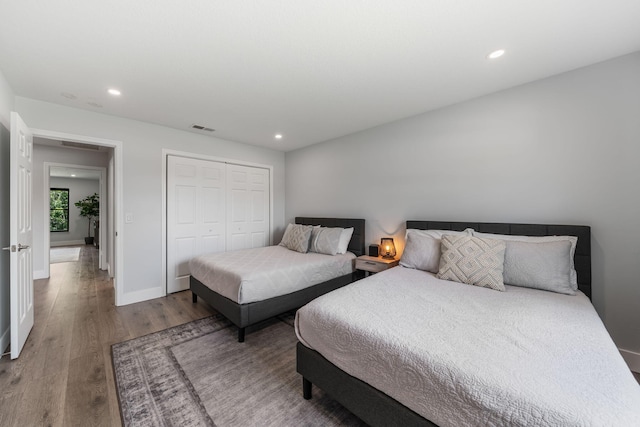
(387, 248)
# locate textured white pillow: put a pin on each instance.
(422, 248)
(543, 265)
(325, 240)
(471, 260)
(541, 239)
(345, 238)
(437, 234)
(296, 237)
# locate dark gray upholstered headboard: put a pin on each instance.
(356, 245)
(582, 256)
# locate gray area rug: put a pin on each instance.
(197, 374)
(57, 255)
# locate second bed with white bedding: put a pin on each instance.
(258, 274)
(464, 355)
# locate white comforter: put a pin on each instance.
(463, 355)
(251, 275)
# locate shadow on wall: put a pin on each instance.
(5, 166)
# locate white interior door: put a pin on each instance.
(21, 234)
(195, 215)
(247, 207)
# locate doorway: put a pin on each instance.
(76, 182)
(110, 178)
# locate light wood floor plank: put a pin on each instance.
(64, 375)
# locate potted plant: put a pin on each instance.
(90, 209)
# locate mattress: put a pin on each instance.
(464, 355)
(258, 274)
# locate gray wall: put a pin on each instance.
(78, 189)
(142, 145)
(561, 150)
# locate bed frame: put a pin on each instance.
(244, 315)
(376, 408)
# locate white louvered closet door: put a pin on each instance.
(196, 215)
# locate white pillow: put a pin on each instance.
(345, 238)
(296, 237)
(437, 234)
(573, 275)
(325, 240)
(422, 248)
(543, 265)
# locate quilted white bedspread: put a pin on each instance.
(257, 274)
(462, 355)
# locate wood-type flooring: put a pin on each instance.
(64, 375)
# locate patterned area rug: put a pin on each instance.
(197, 374)
(57, 255)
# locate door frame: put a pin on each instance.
(168, 152)
(118, 231)
(102, 263)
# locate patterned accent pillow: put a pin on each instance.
(326, 240)
(471, 260)
(296, 237)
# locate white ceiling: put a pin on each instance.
(311, 70)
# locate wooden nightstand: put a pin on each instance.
(374, 264)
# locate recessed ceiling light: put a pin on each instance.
(496, 54)
(73, 175)
(114, 92)
(278, 136)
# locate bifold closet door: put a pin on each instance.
(248, 219)
(196, 215)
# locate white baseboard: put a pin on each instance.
(632, 359)
(67, 243)
(40, 274)
(139, 296)
(5, 340)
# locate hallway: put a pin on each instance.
(64, 374)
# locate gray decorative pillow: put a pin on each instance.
(422, 248)
(545, 265)
(421, 252)
(540, 239)
(326, 240)
(296, 237)
(471, 260)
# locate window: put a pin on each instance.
(59, 209)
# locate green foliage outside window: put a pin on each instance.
(59, 209)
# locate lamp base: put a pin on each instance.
(388, 257)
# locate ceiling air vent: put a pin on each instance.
(80, 145)
(203, 128)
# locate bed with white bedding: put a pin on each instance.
(404, 347)
(258, 274)
(251, 285)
